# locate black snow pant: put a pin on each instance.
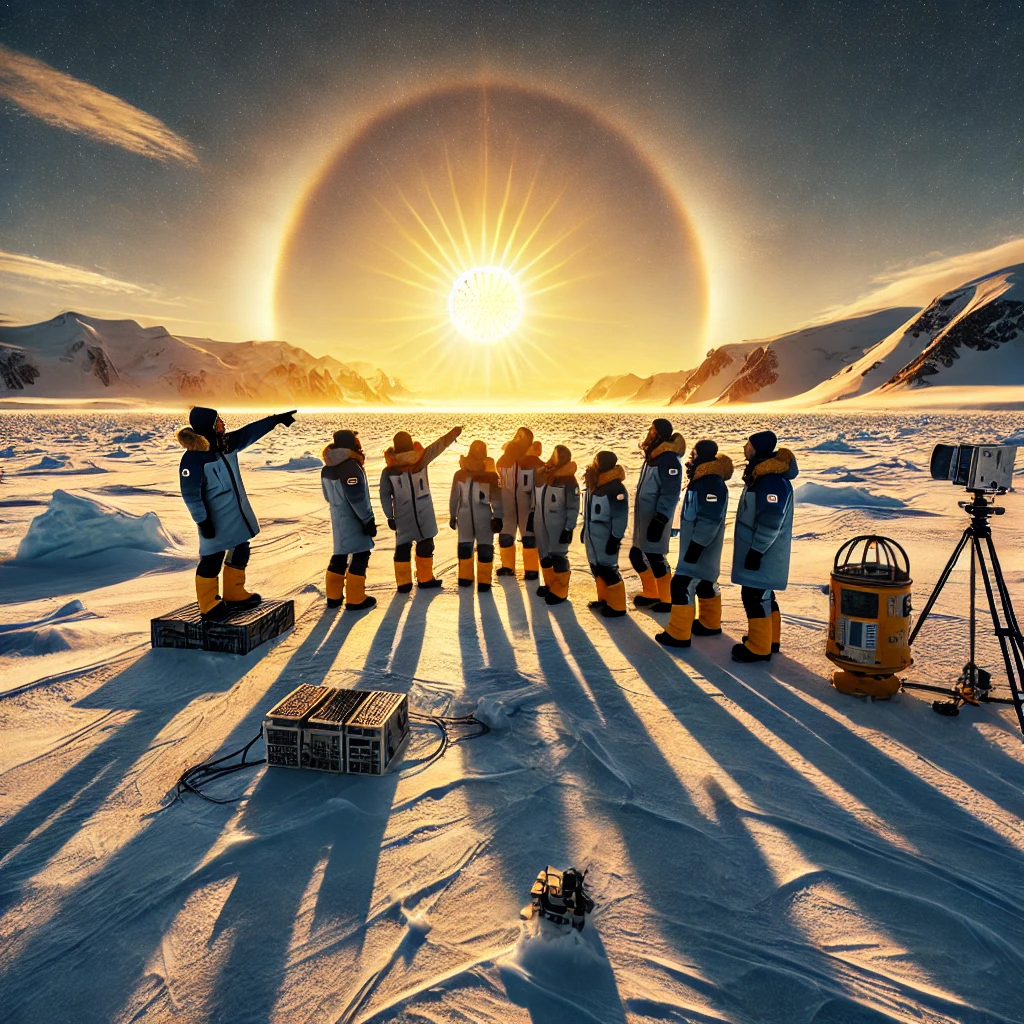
(639, 559)
(683, 590)
(210, 565)
(758, 603)
(609, 574)
(560, 563)
(484, 552)
(424, 549)
(339, 564)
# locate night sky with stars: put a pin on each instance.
(816, 151)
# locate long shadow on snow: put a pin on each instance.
(876, 877)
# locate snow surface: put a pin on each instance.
(761, 848)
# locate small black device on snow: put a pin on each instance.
(559, 896)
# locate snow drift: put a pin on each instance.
(72, 527)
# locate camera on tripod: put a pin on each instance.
(975, 467)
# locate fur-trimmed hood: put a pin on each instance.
(595, 478)
(676, 443)
(480, 470)
(192, 441)
(720, 465)
(781, 463)
(336, 456)
(404, 460)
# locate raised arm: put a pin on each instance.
(252, 432)
(438, 446)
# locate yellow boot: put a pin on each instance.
(483, 576)
(466, 572)
(508, 560)
(559, 589)
(357, 599)
(649, 595)
(549, 574)
(615, 601)
(425, 573)
(403, 576)
(531, 563)
(758, 644)
(335, 588)
(664, 594)
(210, 604)
(776, 632)
(680, 623)
(709, 616)
(602, 593)
(235, 594)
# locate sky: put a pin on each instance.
(679, 176)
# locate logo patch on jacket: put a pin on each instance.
(711, 497)
(673, 472)
(352, 481)
(773, 499)
(185, 472)
(619, 497)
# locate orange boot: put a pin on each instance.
(403, 576)
(664, 594)
(615, 601)
(483, 576)
(531, 563)
(236, 596)
(709, 616)
(466, 572)
(680, 623)
(648, 597)
(602, 593)
(357, 599)
(335, 588)
(508, 560)
(559, 589)
(425, 578)
(545, 588)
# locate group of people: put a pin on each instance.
(523, 497)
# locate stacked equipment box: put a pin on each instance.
(334, 730)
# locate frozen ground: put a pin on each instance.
(761, 848)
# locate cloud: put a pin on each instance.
(61, 275)
(66, 102)
(917, 286)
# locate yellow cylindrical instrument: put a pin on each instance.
(869, 616)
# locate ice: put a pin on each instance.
(73, 527)
(8, 453)
(845, 497)
(133, 437)
(837, 444)
(120, 453)
(307, 460)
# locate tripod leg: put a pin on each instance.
(941, 582)
(1011, 632)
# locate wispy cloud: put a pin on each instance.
(917, 286)
(66, 102)
(61, 275)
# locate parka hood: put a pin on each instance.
(595, 478)
(192, 441)
(676, 443)
(720, 465)
(404, 460)
(781, 463)
(336, 456)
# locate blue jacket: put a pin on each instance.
(557, 496)
(702, 521)
(605, 515)
(211, 484)
(657, 493)
(345, 489)
(764, 522)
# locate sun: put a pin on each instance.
(485, 305)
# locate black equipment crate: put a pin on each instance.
(376, 732)
(324, 733)
(283, 725)
(239, 633)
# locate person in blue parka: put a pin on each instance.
(696, 597)
(557, 510)
(762, 542)
(211, 484)
(605, 515)
(346, 491)
(654, 507)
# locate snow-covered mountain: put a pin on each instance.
(971, 336)
(773, 369)
(78, 356)
(631, 389)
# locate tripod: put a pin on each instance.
(973, 686)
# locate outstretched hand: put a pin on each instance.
(286, 419)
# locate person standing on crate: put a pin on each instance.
(519, 460)
(605, 515)
(696, 597)
(475, 511)
(557, 497)
(409, 508)
(343, 481)
(211, 484)
(762, 543)
(654, 507)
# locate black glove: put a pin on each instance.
(391, 525)
(496, 525)
(453, 524)
(286, 419)
(612, 547)
(565, 537)
(753, 560)
(370, 528)
(206, 528)
(693, 552)
(529, 523)
(656, 528)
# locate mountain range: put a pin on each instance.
(79, 356)
(970, 336)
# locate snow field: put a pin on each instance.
(761, 848)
